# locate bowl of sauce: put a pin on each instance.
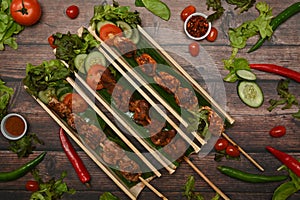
(13, 126)
(196, 26)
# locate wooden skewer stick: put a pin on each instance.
(153, 189)
(242, 151)
(211, 184)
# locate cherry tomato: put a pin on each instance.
(51, 41)
(32, 186)
(72, 11)
(187, 12)
(94, 75)
(221, 144)
(232, 151)
(109, 31)
(194, 49)
(25, 12)
(278, 131)
(75, 102)
(213, 34)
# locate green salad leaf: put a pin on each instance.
(157, 7)
(5, 95)
(8, 27)
(108, 196)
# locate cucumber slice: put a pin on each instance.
(61, 99)
(95, 57)
(46, 95)
(102, 23)
(79, 62)
(62, 91)
(135, 37)
(126, 28)
(250, 93)
(246, 74)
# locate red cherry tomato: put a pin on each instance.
(32, 186)
(51, 41)
(194, 49)
(187, 12)
(109, 31)
(25, 12)
(213, 34)
(72, 11)
(221, 144)
(75, 102)
(277, 131)
(232, 151)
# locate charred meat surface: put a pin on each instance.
(125, 46)
(163, 137)
(147, 64)
(129, 169)
(176, 148)
(168, 82)
(186, 98)
(112, 152)
(60, 108)
(155, 126)
(141, 111)
(121, 96)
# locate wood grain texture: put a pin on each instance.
(250, 129)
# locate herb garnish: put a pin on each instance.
(108, 196)
(5, 95)
(25, 146)
(157, 7)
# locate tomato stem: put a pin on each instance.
(23, 10)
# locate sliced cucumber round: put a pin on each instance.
(135, 37)
(46, 95)
(79, 62)
(63, 90)
(95, 57)
(246, 74)
(126, 28)
(250, 93)
(102, 23)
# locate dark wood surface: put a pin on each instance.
(250, 129)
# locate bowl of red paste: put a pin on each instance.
(196, 26)
(13, 126)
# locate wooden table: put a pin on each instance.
(250, 129)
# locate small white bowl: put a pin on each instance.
(188, 19)
(6, 132)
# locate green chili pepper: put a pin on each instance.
(278, 20)
(13, 175)
(248, 177)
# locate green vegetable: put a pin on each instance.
(243, 5)
(5, 95)
(246, 74)
(233, 65)
(250, 93)
(277, 21)
(249, 177)
(157, 7)
(285, 190)
(52, 189)
(23, 170)
(115, 13)
(25, 146)
(189, 190)
(8, 27)
(108, 196)
(49, 74)
(286, 98)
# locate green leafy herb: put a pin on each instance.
(8, 27)
(52, 189)
(287, 189)
(239, 36)
(25, 146)
(108, 196)
(243, 5)
(157, 7)
(50, 73)
(286, 99)
(5, 95)
(189, 190)
(115, 13)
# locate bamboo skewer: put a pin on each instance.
(211, 184)
(165, 163)
(185, 74)
(153, 189)
(117, 131)
(243, 152)
(154, 93)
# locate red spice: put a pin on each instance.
(14, 125)
(197, 26)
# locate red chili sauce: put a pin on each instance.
(14, 125)
(197, 26)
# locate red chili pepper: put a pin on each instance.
(75, 160)
(276, 69)
(286, 159)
